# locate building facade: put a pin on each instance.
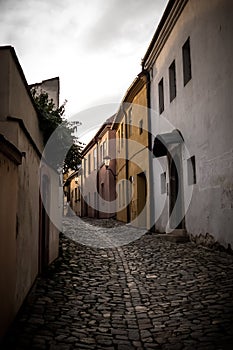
(49, 86)
(133, 156)
(190, 65)
(97, 181)
(30, 240)
(72, 193)
(10, 160)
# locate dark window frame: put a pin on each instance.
(172, 81)
(122, 135)
(85, 167)
(89, 163)
(130, 123)
(140, 126)
(161, 96)
(95, 158)
(191, 171)
(186, 56)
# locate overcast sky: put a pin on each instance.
(94, 46)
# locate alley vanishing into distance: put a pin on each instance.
(148, 294)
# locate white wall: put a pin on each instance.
(202, 111)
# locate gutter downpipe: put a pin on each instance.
(82, 199)
(126, 165)
(97, 176)
(151, 182)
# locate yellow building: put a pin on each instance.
(72, 195)
(133, 155)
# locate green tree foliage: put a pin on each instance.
(73, 158)
(52, 118)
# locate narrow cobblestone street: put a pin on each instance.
(148, 294)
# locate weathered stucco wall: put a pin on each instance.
(21, 223)
(202, 111)
(4, 88)
(88, 188)
(55, 210)
(106, 178)
(8, 208)
(98, 183)
(28, 220)
(138, 158)
(121, 209)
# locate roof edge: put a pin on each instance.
(166, 21)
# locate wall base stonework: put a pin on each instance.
(210, 242)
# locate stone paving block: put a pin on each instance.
(148, 294)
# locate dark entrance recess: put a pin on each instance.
(44, 224)
(141, 202)
(162, 146)
(175, 201)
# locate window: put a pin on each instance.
(101, 154)
(104, 149)
(130, 128)
(163, 183)
(89, 163)
(140, 127)
(119, 140)
(122, 134)
(130, 122)
(186, 62)
(85, 167)
(191, 163)
(120, 195)
(123, 193)
(95, 158)
(161, 97)
(172, 81)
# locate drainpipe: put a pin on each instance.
(81, 192)
(152, 199)
(97, 176)
(126, 165)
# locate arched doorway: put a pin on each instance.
(171, 145)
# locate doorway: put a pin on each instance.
(141, 199)
(44, 224)
(176, 198)
(85, 207)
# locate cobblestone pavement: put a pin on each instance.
(108, 234)
(149, 294)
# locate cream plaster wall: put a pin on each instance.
(202, 111)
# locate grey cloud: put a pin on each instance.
(34, 24)
(124, 21)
